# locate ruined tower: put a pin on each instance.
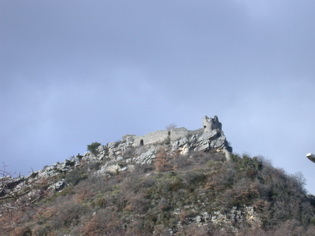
(211, 125)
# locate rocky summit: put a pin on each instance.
(168, 182)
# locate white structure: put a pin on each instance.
(311, 157)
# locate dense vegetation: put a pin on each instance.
(166, 198)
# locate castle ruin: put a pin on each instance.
(210, 137)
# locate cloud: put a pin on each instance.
(76, 72)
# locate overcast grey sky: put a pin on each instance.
(74, 72)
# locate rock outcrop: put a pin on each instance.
(228, 219)
(209, 137)
(123, 155)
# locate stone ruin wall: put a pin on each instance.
(160, 136)
(210, 136)
(178, 133)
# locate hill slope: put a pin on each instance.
(170, 187)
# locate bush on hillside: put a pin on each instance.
(168, 196)
(93, 148)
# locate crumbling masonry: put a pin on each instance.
(210, 137)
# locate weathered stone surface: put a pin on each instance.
(229, 219)
(58, 186)
(112, 168)
(100, 148)
(210, 137)
(146, 157)
(178, 133)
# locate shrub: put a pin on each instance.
(93, 148)
(103, 222)
(171, 126)
(75, 176)
(162, 161)
(69, 213)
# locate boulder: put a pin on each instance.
(58, 186)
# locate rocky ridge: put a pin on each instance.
(120, 156)
(123, 155)
(205, 208)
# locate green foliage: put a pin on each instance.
(75, 176)
(93, 148)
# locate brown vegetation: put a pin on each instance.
(166, 197)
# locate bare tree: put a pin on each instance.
(15, 195)
(171, 126)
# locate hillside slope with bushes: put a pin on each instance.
(199, 193)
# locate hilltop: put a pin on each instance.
(169, 182)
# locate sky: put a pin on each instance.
(73, 72)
